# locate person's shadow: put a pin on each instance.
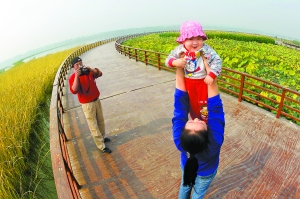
(239, 176)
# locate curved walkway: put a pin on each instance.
(260, 157)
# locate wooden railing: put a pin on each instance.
(273, 97)
(233, 82)
(65, 181)
(295, 46)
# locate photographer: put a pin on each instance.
(82, 82)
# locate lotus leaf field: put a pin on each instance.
(253, 54)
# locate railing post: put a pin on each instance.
(158, 61)
(66, 184)
(146, 57)
(281, 103)
(136, 57)
(241, 88)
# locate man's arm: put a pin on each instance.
(180, 83)
(181, 108)
(216, 118)
(76, 83)
(212, 87)
(214, 61)
(96, 72)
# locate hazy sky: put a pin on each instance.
(30, 24)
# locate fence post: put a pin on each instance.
(136, 56)
(158, 61)
(129, 53)
(241, 88)
(281, 103)
(146, 61)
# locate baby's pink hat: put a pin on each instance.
(190, 29)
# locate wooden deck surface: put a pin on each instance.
(260, 157)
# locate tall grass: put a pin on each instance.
(24, 140)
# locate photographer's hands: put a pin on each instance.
(96, 72)
(77, 73)
(77, 69)
(91, 69)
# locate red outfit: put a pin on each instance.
(88, 90)
(197, 91)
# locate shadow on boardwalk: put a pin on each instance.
(260, 156)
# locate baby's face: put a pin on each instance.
(194, 43)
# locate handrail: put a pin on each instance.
(295, 46)
(65, 181)
(271, 96)
(67, 186)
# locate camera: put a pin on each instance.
(84, 71)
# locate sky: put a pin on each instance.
(31, 24)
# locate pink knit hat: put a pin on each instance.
(190, 29)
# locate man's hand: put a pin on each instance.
(95, 71)
(208, 80)
(77, 73)
(179, 63)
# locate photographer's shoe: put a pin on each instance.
(106, 150)
(106, 140)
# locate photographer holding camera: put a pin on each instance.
(82, 82)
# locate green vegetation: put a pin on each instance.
(18, 62)
(271, 62)
(296, 42)
(26, 88)
(238, 36)
(24, 127)
(259, 58)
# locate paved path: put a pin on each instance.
(260, 157)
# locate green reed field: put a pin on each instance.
(25, 166)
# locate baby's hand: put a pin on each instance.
(182, 54)
(208, 80)
(179, 63)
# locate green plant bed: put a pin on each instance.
(273, 63)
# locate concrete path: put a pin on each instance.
(260, 157)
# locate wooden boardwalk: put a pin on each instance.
(260, 157)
